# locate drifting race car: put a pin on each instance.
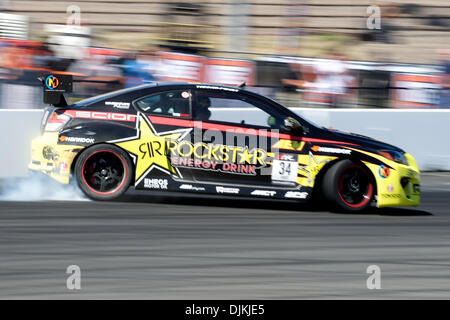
(203, 138)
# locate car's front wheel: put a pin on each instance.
(348, 186)
(103, 172)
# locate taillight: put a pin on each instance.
(56, 121)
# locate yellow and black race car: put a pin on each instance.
(203, 138)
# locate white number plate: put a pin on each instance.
(284, 170)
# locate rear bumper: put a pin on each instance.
(52, 159)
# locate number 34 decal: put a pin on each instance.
(284, 170)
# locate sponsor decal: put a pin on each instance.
(330, 150)
(289, 144)
(391, 195)
(149, 148)
(216, 88)
(287, 157)
(227, 190)
(384, 171)
(118, 105)
(97, 115)
(76, 139)
(191, 187)
(52, 82)
(390, 188)
(185, 94)
(156, 183)
(296, 195)
(265, 193)
(215, 157)
(62, 167)
(310, 166)
(177, 114)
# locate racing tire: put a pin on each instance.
(104, 172)
(348, 186)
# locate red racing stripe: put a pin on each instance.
(113, 116)
(235, 129)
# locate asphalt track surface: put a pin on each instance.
(205, 248)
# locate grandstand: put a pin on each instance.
(308, 28)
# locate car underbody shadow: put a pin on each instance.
(192, 199)
(402, 212)
(393, 212)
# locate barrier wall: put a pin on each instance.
(422, 133)
(17, 129)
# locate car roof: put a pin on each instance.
(195, 84)
(134, 91)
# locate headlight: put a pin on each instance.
(394, 156)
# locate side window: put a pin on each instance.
(233, 108)
(175, 103)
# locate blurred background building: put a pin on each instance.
(304, 53)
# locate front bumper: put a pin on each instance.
(401, 188)
(51, 158)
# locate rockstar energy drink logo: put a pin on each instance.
(167, 151)
(52, 82)
(215, 157)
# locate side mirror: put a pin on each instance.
(292, 126)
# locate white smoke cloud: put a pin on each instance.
(38, 187)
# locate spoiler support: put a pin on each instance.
(55, 85)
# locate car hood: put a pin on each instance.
(364, 142)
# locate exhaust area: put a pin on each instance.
(38, 187)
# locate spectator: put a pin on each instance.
(332, 80)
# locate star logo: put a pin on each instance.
(244, 156)
(312, 168)
(149, 148)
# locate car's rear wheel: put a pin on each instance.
(104, 172)
(348, 186)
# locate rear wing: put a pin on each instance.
(55, 85)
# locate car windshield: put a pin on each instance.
(300, 117)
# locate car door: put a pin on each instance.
(164, 127)
(235, 142)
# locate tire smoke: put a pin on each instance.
(38, 187)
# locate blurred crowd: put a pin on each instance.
(326, 78)
(326, 81)
(20, 60)
(445, 79)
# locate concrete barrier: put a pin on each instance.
(17, 129)
(422, 133)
